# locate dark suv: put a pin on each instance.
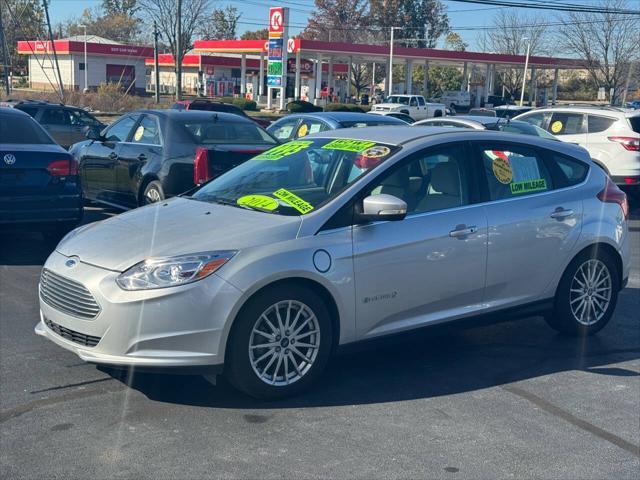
(64, 123)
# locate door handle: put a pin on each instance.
(560, 213)
(113, 156)
(142, 157)
(463, 231)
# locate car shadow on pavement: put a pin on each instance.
(432, 362)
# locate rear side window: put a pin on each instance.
(19, 129)
(567, 171)
(29, 110)
(55, 116)
(599, 124)
(635, 123)
(421, 101)
(566, 123)
(148, 132)
(514, 171)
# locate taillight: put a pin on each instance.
(629, 143)
(201, 166)
(612, 194)
(62, 168)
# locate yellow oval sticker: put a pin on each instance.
(556, 126)
(258, 201)
(376, 152)
(303, 130)
(139, 132)
(502, 170)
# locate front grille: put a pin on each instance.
(67, 296)
(75, 337)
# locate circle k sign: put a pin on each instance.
(276, 19)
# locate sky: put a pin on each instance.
(255, 13)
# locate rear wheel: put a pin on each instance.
(153, 193)
(587, 295)
(280, 343)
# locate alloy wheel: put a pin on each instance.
(590, 292)
(152, 196)
(284, 343)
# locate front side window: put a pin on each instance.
(284, 130)
(414, 102)
(432, 180)
(119, 131)
(421, 101)
(566, 123)
(513, 171)
(80, 118)
(537, 119)
(147, 132)
(297, 177)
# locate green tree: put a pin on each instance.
(423, 22)
(22, 20)
(261, 34)
(221, 25)
(337, 21)
(123, 7)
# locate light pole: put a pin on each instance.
(390, 74)
(86, 71)
(526, 65)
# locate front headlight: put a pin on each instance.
(173, 271)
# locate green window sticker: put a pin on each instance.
(258, 201)
(528, 186)
(289, 148)
(293, 200)
(349, 145)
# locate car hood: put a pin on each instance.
(178, 226)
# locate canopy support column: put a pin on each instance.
(465, 78)
(296, 93)
(554, 98)
(532, 87)
(243, 74)
(408, 76)
(425, 80)
(261, 76)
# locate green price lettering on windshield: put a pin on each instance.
(349, 145)
(293, 200)
(284, 150)
(528, 186)
(261, 202)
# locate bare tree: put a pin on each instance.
(221, 24)
(608, 42)
(164, 14)
(509, 34)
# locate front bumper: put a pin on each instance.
(182, 326)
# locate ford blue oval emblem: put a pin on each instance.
(71, 263)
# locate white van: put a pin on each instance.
(455, 99)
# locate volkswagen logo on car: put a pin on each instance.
(9, 159)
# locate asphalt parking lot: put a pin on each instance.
(511, 400)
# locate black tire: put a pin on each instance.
(238, 367)
(562, 318)
(153, 193)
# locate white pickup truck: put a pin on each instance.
(413, 105)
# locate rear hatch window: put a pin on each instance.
(228, 133)
(635, 123)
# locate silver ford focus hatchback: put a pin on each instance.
(342, 236)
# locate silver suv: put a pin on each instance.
(342, 236)
(611, 136)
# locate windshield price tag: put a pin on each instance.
(258, 201)
(284, 150)
(349, 145)
(528, 186)
(293, 200)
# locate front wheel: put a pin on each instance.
(587, 295)
(280, 343)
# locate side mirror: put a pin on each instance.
(382, 207)
(92, 133)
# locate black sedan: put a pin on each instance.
(149, 155)
(39, 183)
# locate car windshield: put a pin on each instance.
(212, 132)
(20, 129)
(403, 99)
(296, 177)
